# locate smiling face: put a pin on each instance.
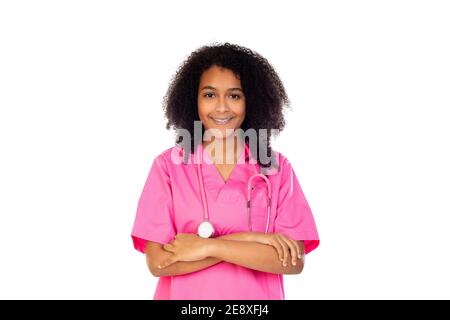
(220, 100)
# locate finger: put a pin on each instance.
(280, 237)
(299, 251)
(167, 262)
(285, 251)
(295, 242)
(294, 251)
(291, 249)
(302, 251)
(279, 249)
(168, 247)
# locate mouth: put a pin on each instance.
(221, 121)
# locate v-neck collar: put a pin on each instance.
(214, 181)
(210, 163)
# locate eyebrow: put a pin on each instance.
(212, 88)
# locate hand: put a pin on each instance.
(282, 244)
(185, 247)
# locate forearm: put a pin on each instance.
(185, 267)
(251, 255)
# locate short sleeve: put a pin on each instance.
(154, 214)
(294, 217)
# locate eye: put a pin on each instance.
(208, 95)
(235, 96)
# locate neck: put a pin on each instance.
(224, 151)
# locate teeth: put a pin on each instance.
(221, 121)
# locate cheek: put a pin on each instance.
(240, 110)
(240, 106)
(203, 110)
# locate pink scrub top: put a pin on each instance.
(171, 203)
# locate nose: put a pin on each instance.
(221, 106)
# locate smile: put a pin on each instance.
(222, 121)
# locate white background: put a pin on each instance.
(81, 84)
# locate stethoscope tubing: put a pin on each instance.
(199, 158)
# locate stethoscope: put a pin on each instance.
(206, 229)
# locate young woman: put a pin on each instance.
(216, 219)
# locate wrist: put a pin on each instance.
(210, 244)
(257, 237)
(248, 236)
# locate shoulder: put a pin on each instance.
(280, 163)
(282, 160)
(168, 157)
(169, 153)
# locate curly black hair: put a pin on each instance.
(264, 92)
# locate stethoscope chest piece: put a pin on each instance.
(205, 229)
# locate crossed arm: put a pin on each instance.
(258, 251)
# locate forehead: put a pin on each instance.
(219, 77)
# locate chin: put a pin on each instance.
(226, 134)
(223, 131)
